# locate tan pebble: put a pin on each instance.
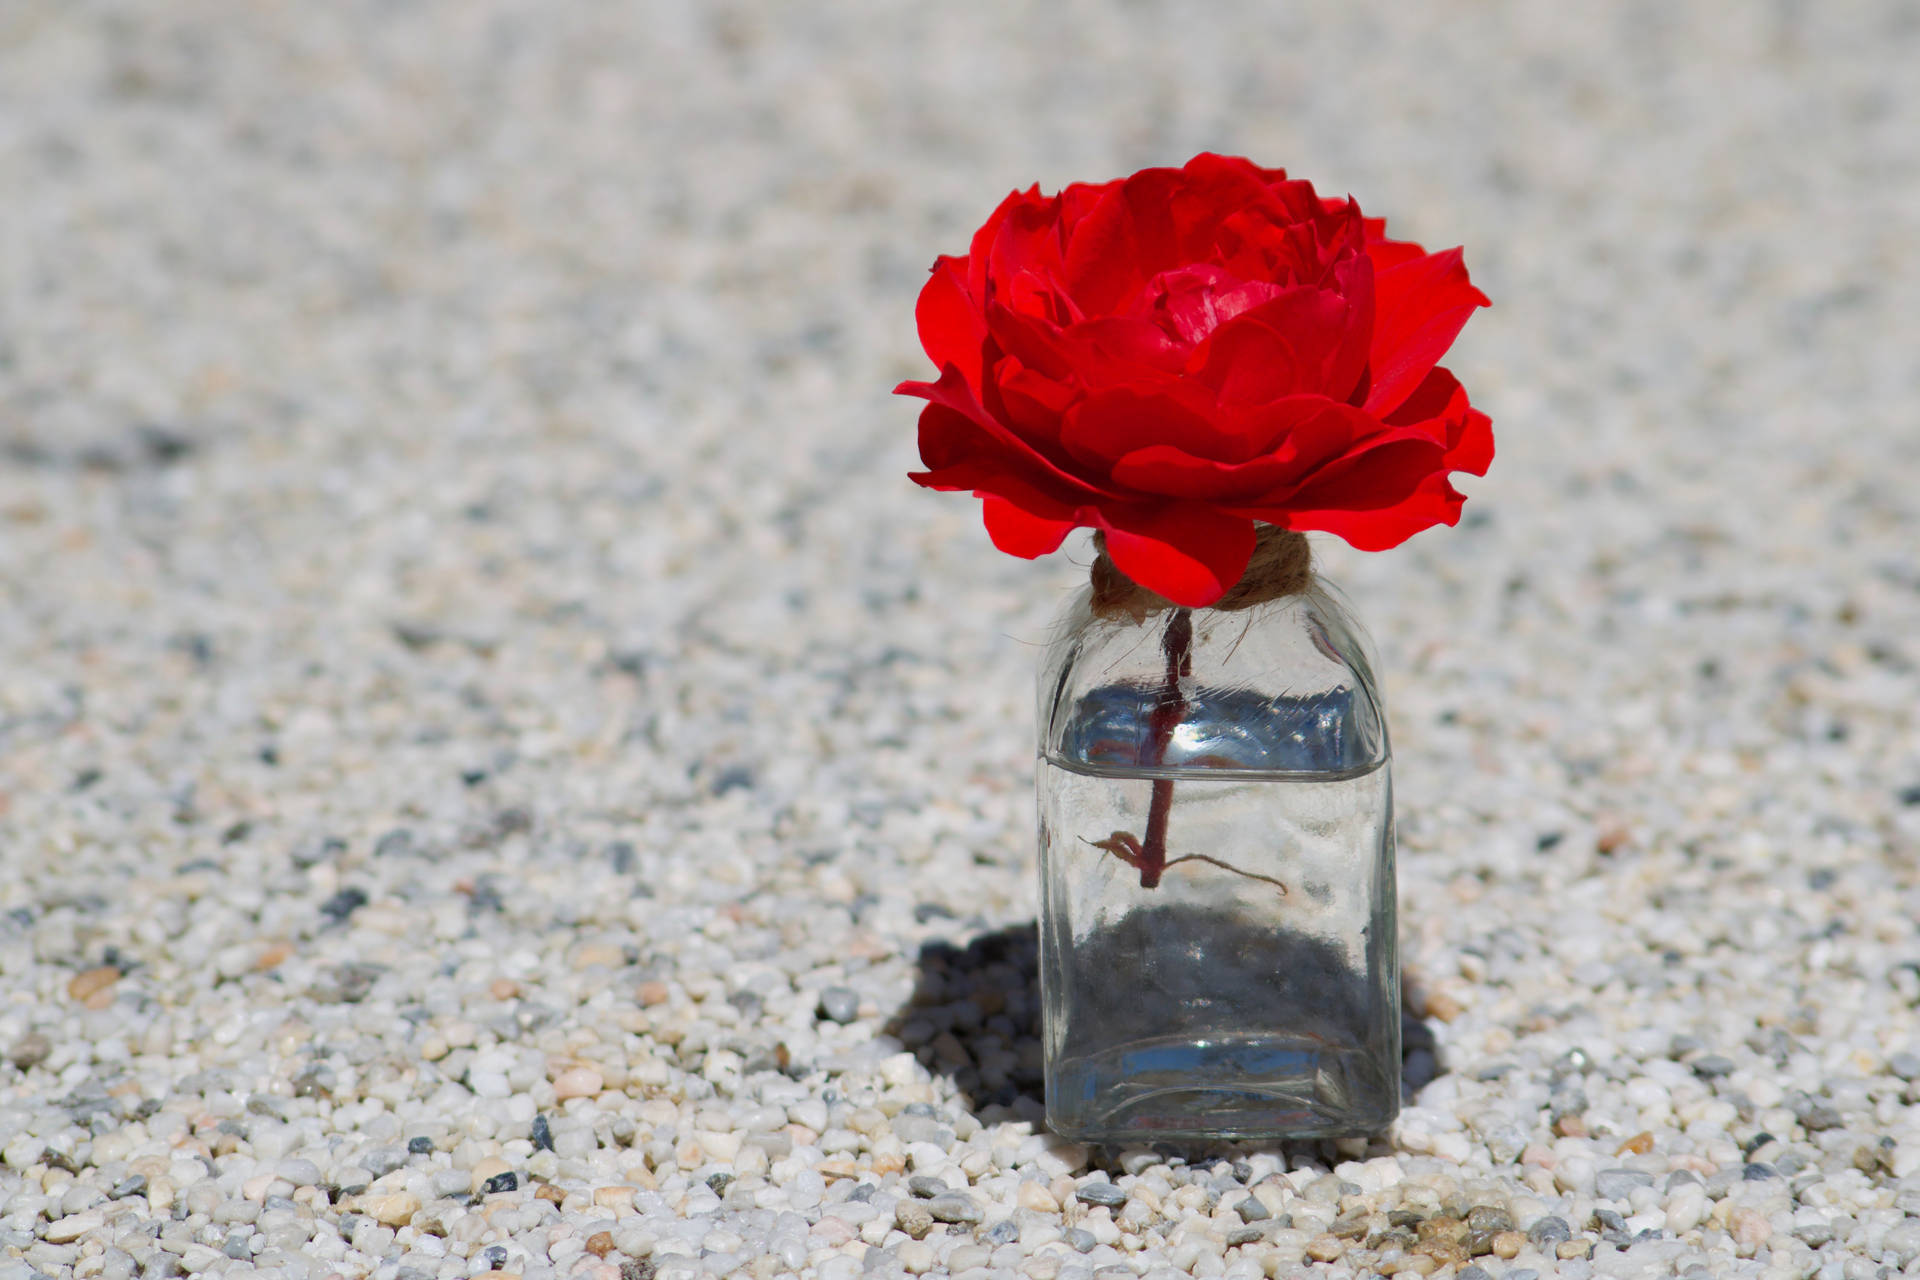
(503, 988)
(613, 1197)
(600, 1243)
(599, 953)
(487, 1169)
(1749, 1228)
(688, 1154)
(92, 981)
(550, 1193)
(1570, 1126)
(1639, 1144)
(802, 1136)
(1325, 1248)
(273, 957)
(434, 1048)
(1507, 1244)
(1444, 1007)
(73, 1226)
(394, 1210)
(1062, 1189)
(577, 1082)
(890, 1163)
(1445, 1231)
(1037, 1198)
(868, 1120)
(1567, 1250)
(913, 1218)
(652, 993)
(614, 1073)
(833, 1169)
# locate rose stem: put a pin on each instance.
(1177, 644)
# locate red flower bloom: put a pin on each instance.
(1175, 355)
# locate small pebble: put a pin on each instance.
(840, 1004)
(913, 1218)
(1100, 1193)
(955, 1209)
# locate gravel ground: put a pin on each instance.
(499, 771)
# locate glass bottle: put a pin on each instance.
(1219, 957)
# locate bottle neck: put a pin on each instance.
(1281, 565)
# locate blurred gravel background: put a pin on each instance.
(499, 771)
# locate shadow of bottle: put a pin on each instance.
(974, 1017)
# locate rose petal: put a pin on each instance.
(1433, 501)
(1419, 308)
(1296, 438)
(1189, 552)
(1439, 405)
(951, 326)
(1126, 239)
(1376, 475)
(958, 436)
(1304, 341)
(1018, 531)
(1110, 424)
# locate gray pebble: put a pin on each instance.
(1472, 1273)
(1549, 1231)
(1246, 1235)
(30, 1050)
(1100, 1193)
(134, 1185)
(382, 1161)
(840, 1004)
(1758, 1171)
(925, 1187)
(1820, 1117)
(1005, 1231)
(1489, 1218)
(1251, 1210)
(1618, 1184)
(301, 1173)
(1814, 1235)
(954, 1208)
(1079, 1239)
(921, 1129)
(1713, 1066)
(1904, 1065)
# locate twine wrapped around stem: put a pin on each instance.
(1282, 565)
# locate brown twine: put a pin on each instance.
(1282, 565)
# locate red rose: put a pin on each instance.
(1175, 355)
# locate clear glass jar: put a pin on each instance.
(1218, 942)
